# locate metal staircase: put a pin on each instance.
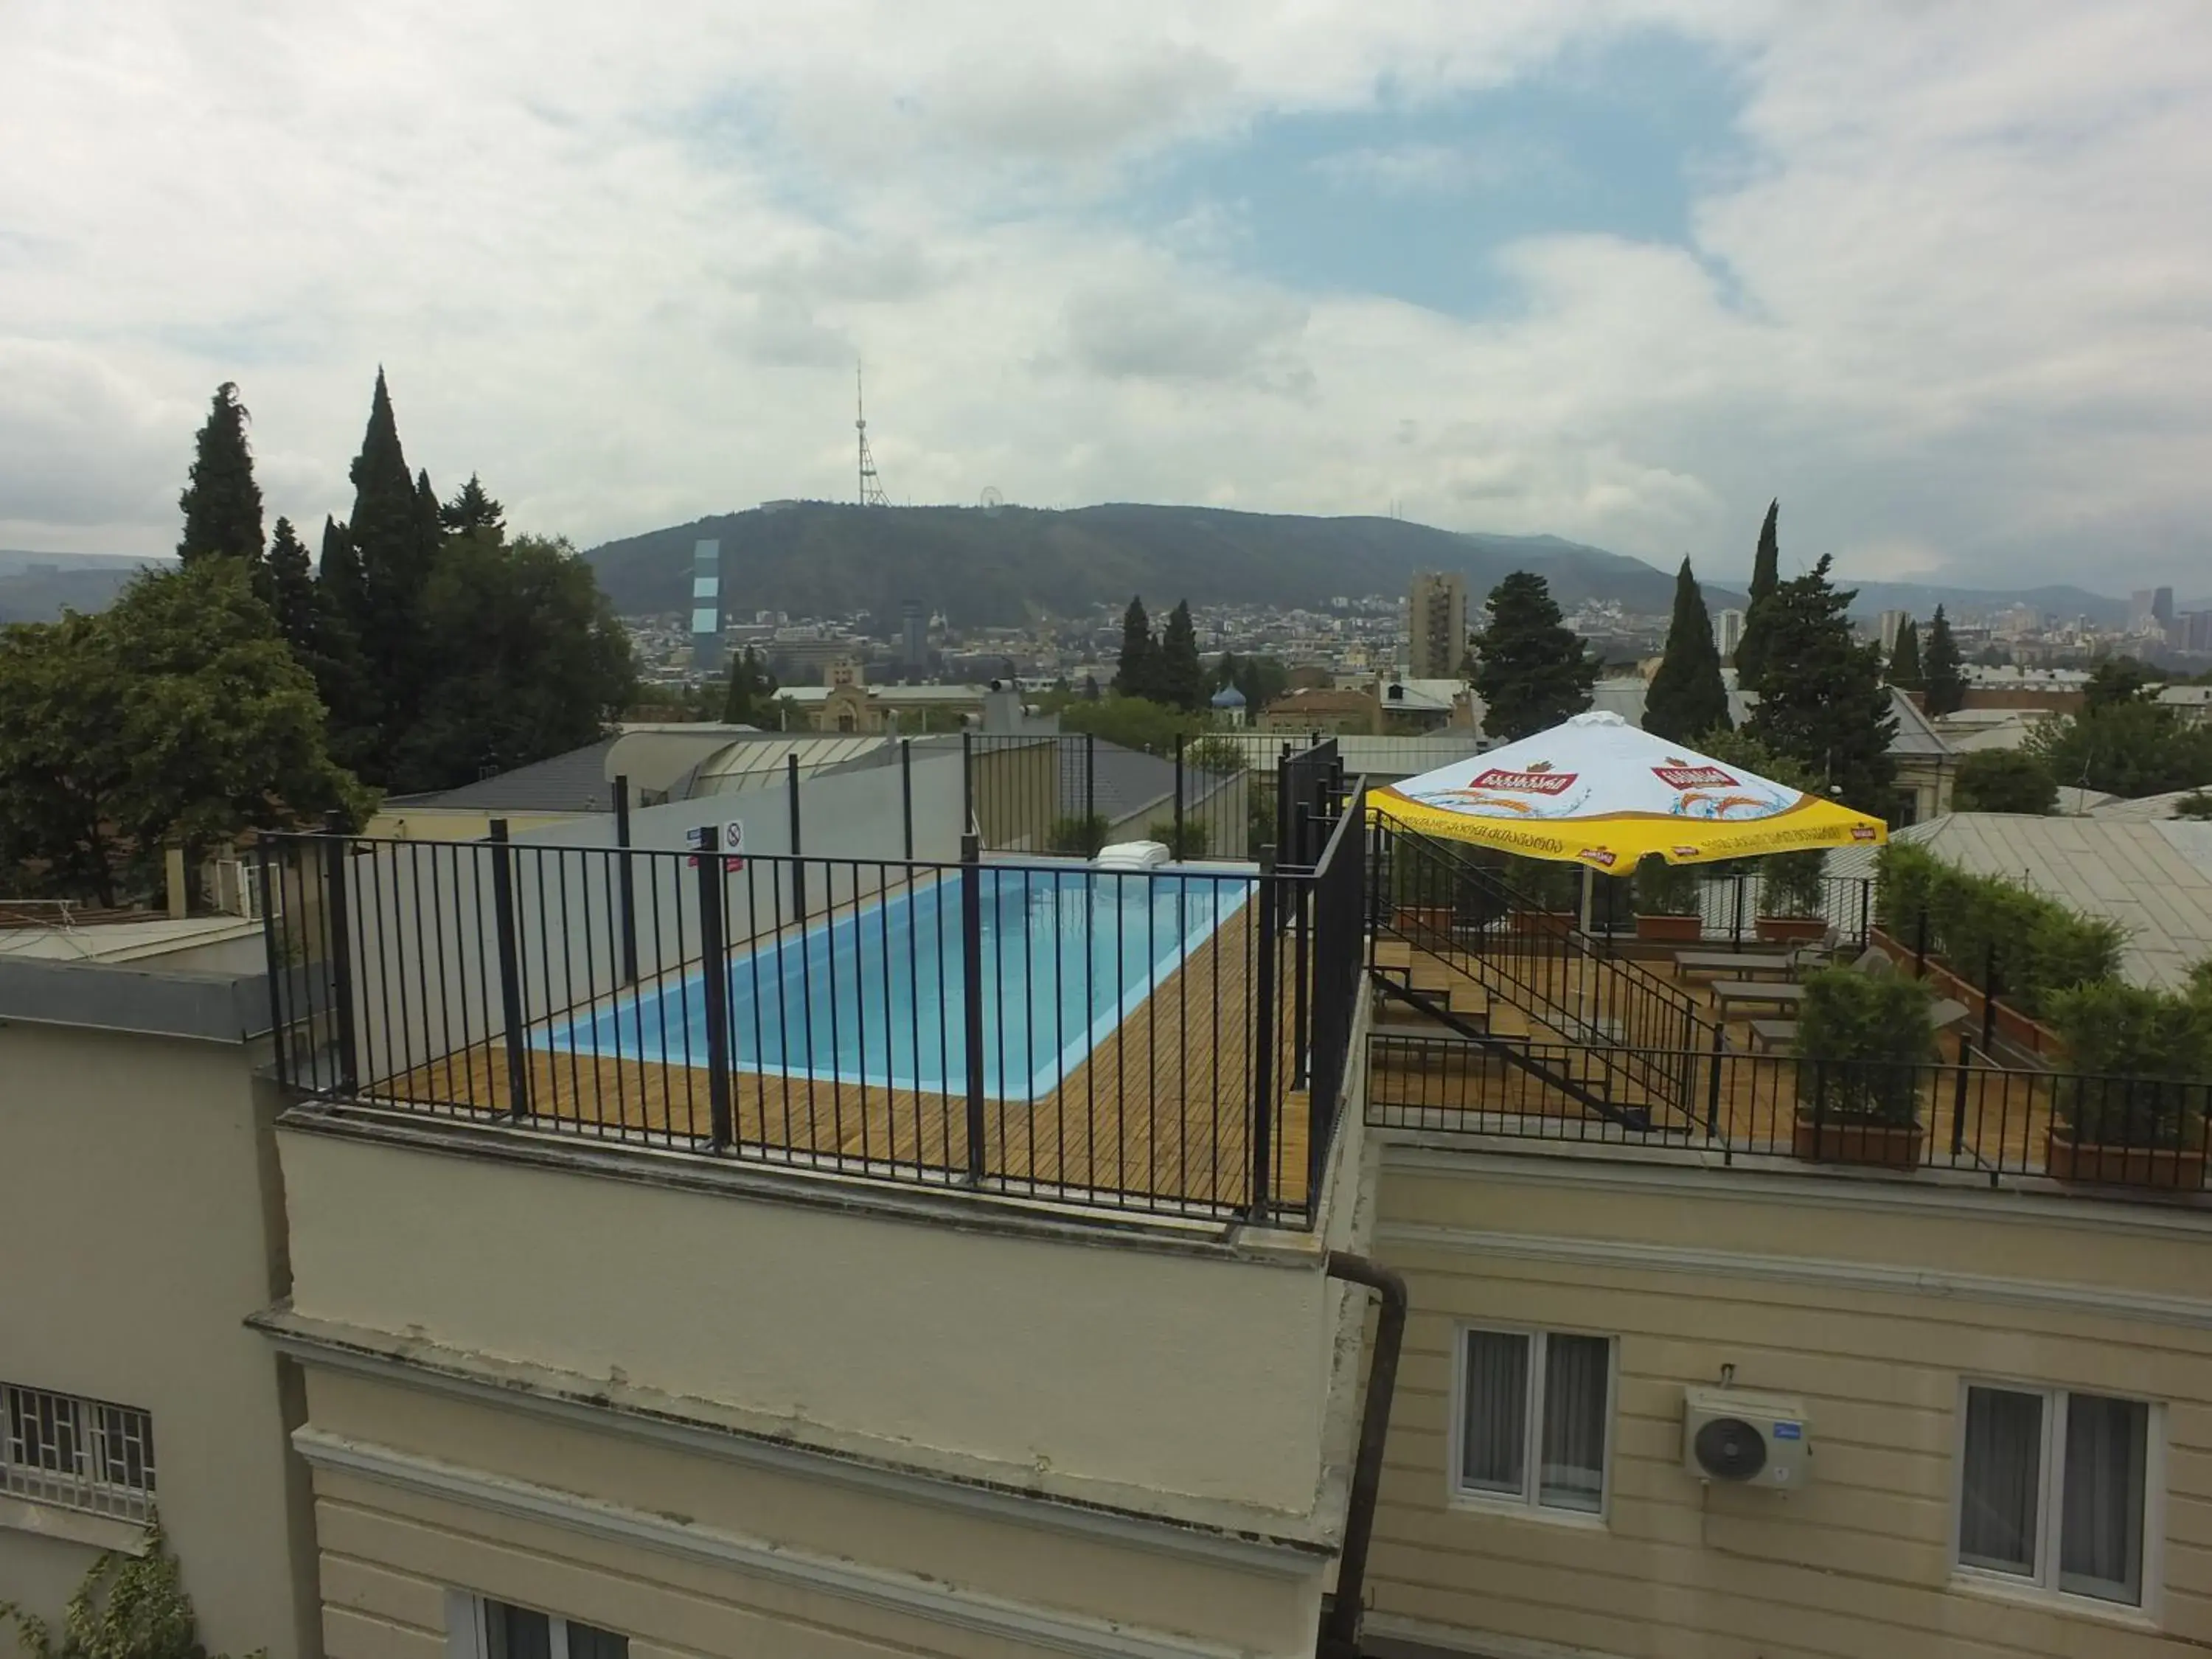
(1469, 960)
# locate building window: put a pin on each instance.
(81, 1454)
(1534, 1412)
(2053, 1489)
(512, 1632)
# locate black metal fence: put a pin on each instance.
(2129, 1136)
(1745, 907)
(1067, 795)
(1172, 1041)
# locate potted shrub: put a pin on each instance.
(1667, 909)
(1547, 895)
(1789, 894)
(1862, 1043)
(2130, 1106)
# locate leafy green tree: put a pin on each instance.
(1688, 697)
(1946, 685)
(1821, 699)
(2118, 680)
(1132, 722)
(1181, 677)
(2131, 747)
(751, 697)
(1905, 658)
(222, 502)
(1138, 674)
(176, 717)
(1751, 650)
(472, 511)
(291, 590)
(533, 661)
(2004, 781)
(1532, 672)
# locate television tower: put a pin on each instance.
(872, 486)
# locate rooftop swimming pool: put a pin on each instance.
(877, 993)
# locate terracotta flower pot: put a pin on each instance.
(1670, 930)
(1792, 930)
(1543, 921)
(1414, 920)
(1856, 1141)
(2180, 1167)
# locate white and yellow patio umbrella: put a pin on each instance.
(1604, 794)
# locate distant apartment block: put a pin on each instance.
(1437, 625)
(1730, 633)
(706, 607)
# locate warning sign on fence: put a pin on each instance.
(728, 839)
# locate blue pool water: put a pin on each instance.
(879, 994)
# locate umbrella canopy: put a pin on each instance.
(1603, 794)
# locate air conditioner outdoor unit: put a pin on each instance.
(1741, 1439)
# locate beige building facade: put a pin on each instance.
(2007, 1399)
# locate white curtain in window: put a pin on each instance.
(2100, 1511)
(1495, 1433)
(1575, 1369)
(1997, 1505)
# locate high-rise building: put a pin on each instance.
(2161, 607)
(1731, 634)
(706, 607)
(1436, 620)
(2140, 605)
(1893, 622)
(913, 635)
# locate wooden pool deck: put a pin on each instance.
(1158, 1115)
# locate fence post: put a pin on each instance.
(971, 980)
(714, 956)
(1176, 850)
(1302, 897)
(906, 789)
(1820, 1104)
(798, 864)
(510, 972)
(1713, 1083)
(625, 881)
(967, 780)
(1263, 1050)
(1958, 1109)
(1090, 782)
(1920, 946)
(1990, 997)
(337, 901)
(1866, 913)
(273, 961)
(1735, 928)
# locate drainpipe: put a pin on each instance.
(1340, 1630)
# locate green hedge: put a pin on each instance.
(1860, 1038)
(2139, 1062)
(2041, 948)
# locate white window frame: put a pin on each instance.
(88, 1484)
(1529, 1503)
(2050, 1480)
(468, 1632)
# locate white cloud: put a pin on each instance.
(620, 263)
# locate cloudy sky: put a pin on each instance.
(1940, 277)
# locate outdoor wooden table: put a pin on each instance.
(1773, 1035)
(1781, 995)
(1748, 964)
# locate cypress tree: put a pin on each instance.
(1532, 671)
(1947, 686)
(1688, 697)
(1905, 657)
(1138, 674)
(349, 691)
(292, 590)
(1182, 678)
(472, 510)
(1751, 651)
(750, 694)
(1822, 700)
(222, 503)
(393, 535)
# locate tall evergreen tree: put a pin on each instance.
(472, 510)
(348, 688)
(1532, 672)
(1138, 674)
(292, 590)
(222, 502)
(1688, 697)
(1947, 685)
(1751, 650)
(1181, 678)
(1820, 697)
(750, 698)
(1905, 657)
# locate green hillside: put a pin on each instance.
(826, 559)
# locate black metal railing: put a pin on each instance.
(1743, 908)
(1626, 1026)
(1067, 794)
(2119, 1136)
(1169, 1041)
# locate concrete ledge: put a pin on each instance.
(207, 1007)
(100, 1532)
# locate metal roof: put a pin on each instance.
(763, 761)
(573, 783)
(2154, 879)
